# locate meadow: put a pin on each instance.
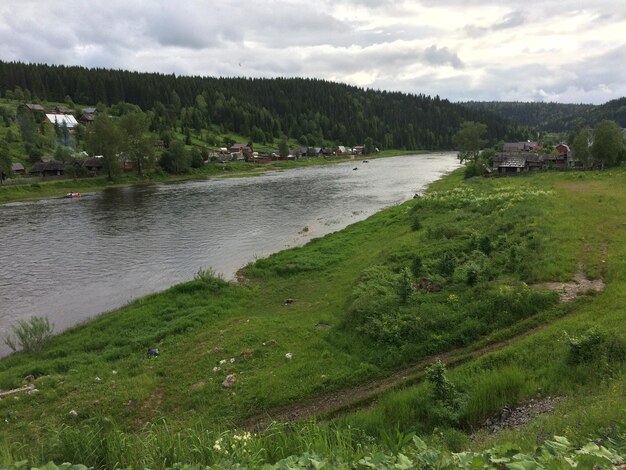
(455, 274)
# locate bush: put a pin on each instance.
(405, 285)
(593, 345)
(214, 281)
(447, 264)
(584, 348)
(30, 335)
(443, 391)
(416, 224)
(417, 266)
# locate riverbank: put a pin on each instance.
(57, 188)
(451, 271)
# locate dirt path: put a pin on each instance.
(334, 403)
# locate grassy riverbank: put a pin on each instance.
(57, 188)
(475, 250)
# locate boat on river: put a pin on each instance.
(72, 196)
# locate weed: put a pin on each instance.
(30, 335)
(214, 281)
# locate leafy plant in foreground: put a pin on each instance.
(30, 335)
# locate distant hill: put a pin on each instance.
(554, 117)
(550, 117)
(614, 110)
(313, 112)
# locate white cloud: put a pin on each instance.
(562, 50)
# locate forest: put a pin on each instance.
(310, 111)
(554, 117)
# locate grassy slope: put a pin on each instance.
(586, 217)
(574, 224)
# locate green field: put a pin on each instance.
(454, 274)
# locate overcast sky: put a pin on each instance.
(529, 50)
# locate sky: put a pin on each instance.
(526, 50)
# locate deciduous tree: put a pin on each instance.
(138, 140)
(5, 161)
(581, 147)
(104, 138)
(176, 158)
(469, 140)
(608, 141)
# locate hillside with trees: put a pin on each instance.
(614, 110)
(554, 117)
(550, 117)
(310, 112)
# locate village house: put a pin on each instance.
(17, 169)
(243, 149)
(34, 108)
(88, 116)
(86, 119)
(517, 162)
(341, 150)
(38, 112)
(93, 165)
(47, 167)
(61, 119)
(63, 110)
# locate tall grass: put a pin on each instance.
(102, 444)
(492, 390)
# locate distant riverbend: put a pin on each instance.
(70, 259)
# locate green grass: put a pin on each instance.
(509, 233)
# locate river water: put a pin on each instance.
(70, 259)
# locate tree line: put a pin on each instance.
(312, 112)
(555, 117)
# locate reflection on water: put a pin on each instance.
(72, 258)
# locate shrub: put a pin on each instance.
(416, 224)
(447, 264)
(443, 391)
(214, 281)
(405, 285)
(593, 345)
(471, 277)
(417, 265)
(584, 348)
(30, 335)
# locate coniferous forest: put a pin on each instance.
(311, 111)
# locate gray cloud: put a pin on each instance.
(512, 20)
(414, 46)
(442, 56)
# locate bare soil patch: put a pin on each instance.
(570, 291)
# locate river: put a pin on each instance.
(70, 259)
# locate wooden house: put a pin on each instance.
(517, 162)
(47, 168)
(242, 149)
(63, 110)
(34, 108)
(93, 165)
(86, 119)
(17, 169)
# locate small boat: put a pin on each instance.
(355, 168)
(71, 196)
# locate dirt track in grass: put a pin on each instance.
(340, 401)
